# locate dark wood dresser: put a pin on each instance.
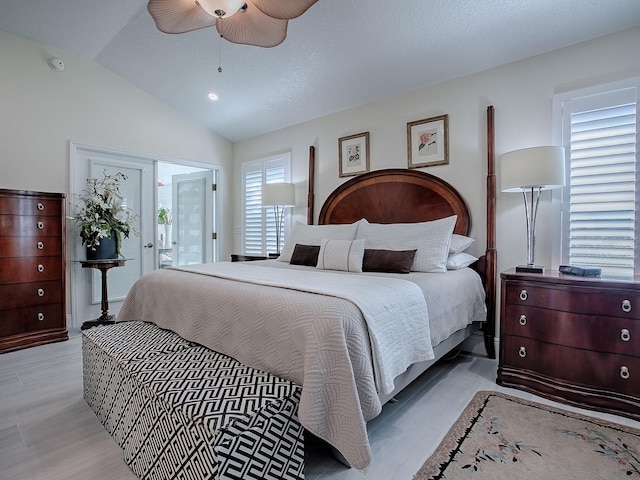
(572, 339)
(32, 269)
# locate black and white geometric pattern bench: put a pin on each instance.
(179, 410)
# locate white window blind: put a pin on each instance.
(601, 193)
(259, 228)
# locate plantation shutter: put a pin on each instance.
(253, 213)
(602, 183)
(259, 228)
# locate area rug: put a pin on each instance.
(498, 436)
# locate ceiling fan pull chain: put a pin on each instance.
(220, 54)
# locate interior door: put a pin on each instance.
(193, 238)
(138, 194)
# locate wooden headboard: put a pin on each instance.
(408, 196)
(395, 196)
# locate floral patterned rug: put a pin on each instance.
(498, 436)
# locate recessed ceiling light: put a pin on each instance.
(213, 97)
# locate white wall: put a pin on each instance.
(41, 111)
(521, 94)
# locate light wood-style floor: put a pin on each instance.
(47, 431)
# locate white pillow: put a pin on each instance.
(460, 260)
(313, 235)
(430, 239)
(341, 255)
(459, 243)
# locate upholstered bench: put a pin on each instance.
(180, 410)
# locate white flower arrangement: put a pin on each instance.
(101, 212)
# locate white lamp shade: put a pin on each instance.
(532, 167)
(283, 194)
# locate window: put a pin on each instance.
(259, 227)
(600, 217)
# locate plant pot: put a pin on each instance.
(107, 249)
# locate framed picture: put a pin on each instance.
(428, 142)
(354, 154)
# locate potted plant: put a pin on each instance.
(164, 216)
(102, 217)
(164, 227)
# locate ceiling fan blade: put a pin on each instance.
(252, 27)
(179, 16)
(283, 9)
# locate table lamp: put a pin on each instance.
(530, 171)
(279, 196)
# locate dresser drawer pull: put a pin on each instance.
(523, 320)
(626, 306)
(40, 206)
(41, 292)
(624, 372)
(625, 336)
(522, 352)
(40, 225)
(40, 245)
(40, 268)
(523, 295)
(40, 316)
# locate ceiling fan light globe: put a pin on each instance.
(221, 8)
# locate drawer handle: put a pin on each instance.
(523, 295)
(41, 292)
(624, 372)
(40, 225)
(625, 336)
(40, 268)
(40, 316)
(522, 352)
(40, 245)
(523, 320)
(40, 206)
(626, 306)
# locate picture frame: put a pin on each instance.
(428, 142)
(353, 152)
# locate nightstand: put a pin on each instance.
(572, 339)
(238, 257)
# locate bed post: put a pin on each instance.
(491, 253)
(312, 162)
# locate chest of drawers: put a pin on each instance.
(572, 339)
(32, 269)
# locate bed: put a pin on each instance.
(351, 340)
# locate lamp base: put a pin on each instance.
(530, 269)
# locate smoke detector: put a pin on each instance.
(56, 64)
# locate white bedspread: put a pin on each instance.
(318, 341)
(395, 310)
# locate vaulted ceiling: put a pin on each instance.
(337, 55)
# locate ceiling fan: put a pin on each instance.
(262, 23)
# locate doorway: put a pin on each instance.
(186, 215)
(144, 196)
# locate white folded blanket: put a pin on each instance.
(395, 310)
